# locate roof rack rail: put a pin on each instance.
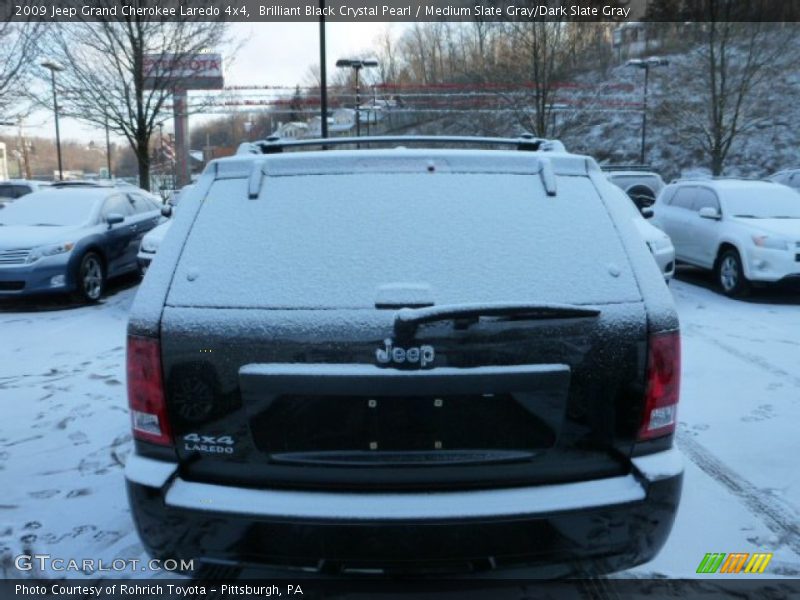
(274, 145)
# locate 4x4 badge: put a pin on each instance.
(210, 444)
(424, 355)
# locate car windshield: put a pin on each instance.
(762, 202)
(48, 209)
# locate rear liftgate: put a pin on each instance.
(361, 415)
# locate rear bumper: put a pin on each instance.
(585, 527)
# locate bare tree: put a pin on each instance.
(18, 52)
(104, 80)
(725, 80)
(534, 53)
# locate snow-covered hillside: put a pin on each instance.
(608, 123)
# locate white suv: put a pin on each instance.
(790, 177)
(744, 230)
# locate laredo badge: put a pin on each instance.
(210, 444)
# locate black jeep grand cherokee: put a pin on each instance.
(404, 360)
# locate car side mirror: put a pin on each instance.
(114, 218)
(166, 211)
(647, 212)
(708, 212)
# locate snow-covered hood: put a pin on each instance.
(787, 228)
(31, 236)
(153, 239)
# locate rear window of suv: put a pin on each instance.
(333, 240)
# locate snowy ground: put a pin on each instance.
(64, 432)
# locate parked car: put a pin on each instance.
(641, 186)
(11, 189)
(657, 241)
(101, 183)
(149, 245)
(790, 177)
(71, 240)
(404, 360)
(745, 231)
(151, 241)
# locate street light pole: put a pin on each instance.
(108, 150)
(646, 64)
(357, 65)
(644, 116)
(358, 104)
(53, 67)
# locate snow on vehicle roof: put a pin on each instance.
(52, 207)
(737, 184)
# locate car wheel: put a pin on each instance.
(91, 278)
(730, 275)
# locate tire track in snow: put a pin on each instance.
(779, 518)
(598, 588)
(753, 359)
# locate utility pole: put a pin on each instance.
(323, 74)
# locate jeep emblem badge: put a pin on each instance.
(423, 355)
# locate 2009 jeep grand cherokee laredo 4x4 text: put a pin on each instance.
(404, 360)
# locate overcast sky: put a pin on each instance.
(271, 54)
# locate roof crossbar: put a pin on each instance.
(274, 145)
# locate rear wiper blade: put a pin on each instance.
(407, 320)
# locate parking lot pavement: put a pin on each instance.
(64, 435)
(740, 403)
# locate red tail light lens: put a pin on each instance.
(663, 386)
(146, 391)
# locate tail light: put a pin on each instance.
(146, 391)
(663, 386)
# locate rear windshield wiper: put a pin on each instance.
(407, 320)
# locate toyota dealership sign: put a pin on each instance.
(184, 71)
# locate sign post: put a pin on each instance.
(181, 121)
(180, 73)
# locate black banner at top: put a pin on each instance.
(400, 10)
